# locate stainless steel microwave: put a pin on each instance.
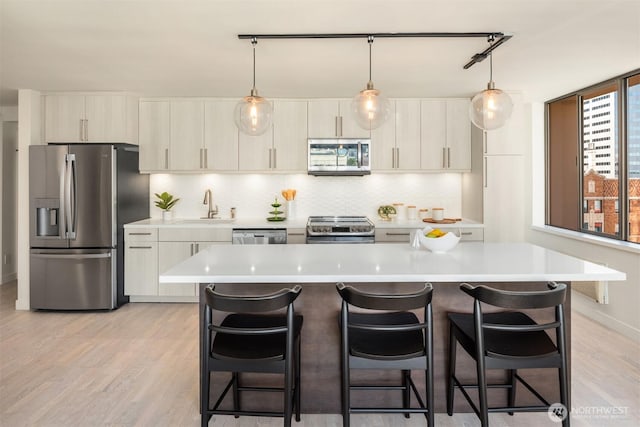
(339, 156)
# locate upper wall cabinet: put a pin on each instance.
(283, 148)
(155, 135)
(111, 118)
(333, 119)
(446, 135)
(395, 145)
(220, 151)
(187, 135)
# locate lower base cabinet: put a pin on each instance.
(403, 235)
(151, 251)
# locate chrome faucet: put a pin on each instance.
(208, 199)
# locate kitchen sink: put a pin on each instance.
(205, 221)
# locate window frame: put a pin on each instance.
(621, 86)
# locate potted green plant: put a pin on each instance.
(166, 202)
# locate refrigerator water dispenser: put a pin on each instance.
(47, 217)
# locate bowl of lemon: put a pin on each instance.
(437, 240)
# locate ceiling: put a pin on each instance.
(191, 48)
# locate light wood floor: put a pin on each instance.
(138, 366)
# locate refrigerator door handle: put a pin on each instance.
(69, 196)
(62, 227)
(71, 256)
(74, 196)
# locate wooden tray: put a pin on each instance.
(443, 221)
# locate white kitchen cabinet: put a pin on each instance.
(403, 235)
(290, 136)
(111, 118)
(187, 135)
(281, 148)
(220, 151)
(177, 244)
(503, 199)
(396, 143)
(296, 235)
(141, 262)
(445, 135)
(333, 119)
(155, 135)
(256, 152)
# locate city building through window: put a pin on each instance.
(601, 126)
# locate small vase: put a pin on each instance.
(291, 209)
(167, 216)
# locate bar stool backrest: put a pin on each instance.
(518, 299)
(408, 301)
(252, 303)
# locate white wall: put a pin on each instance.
(8, 183)
(622, 313)
(251, 194)
(29, 133)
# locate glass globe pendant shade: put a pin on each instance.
(490, 109)
(253, 114)
(370, 108)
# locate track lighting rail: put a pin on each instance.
(497, 38)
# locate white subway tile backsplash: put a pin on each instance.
(252, 194)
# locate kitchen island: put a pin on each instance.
(264, 268)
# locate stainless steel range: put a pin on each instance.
(340, 229)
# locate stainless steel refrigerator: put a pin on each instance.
(80, 197)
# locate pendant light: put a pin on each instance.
(253, 113)
(369, 106)
(491, 108)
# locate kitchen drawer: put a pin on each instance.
(393, 235)
(189, 234)
(296, 235)
(141, 234)
(472, 234)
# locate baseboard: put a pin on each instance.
(589, 308)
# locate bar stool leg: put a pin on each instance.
(482, 392)
(406, 393)
(512, 391)
(452, 371)
(206, 383)
(236, 393)
(297, 381)
(429, 373)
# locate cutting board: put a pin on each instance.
(443, 221)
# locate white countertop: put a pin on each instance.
(199, 223)
(467, 262)
(288, 223)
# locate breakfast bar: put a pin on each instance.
(264, 268)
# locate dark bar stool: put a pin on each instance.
(388, 339)
(248, 340)
(511, 341)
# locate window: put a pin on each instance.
(589, 198)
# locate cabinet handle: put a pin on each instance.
(197, 247)
(139, 234)
(275, 159)
(397, 158)
(484, 174)
(81, 129)
(466, 233)
(201, 158)
(448, 157)
(140, 247)
(296, 234)
(393, 158)
(444, 155)
(484, 141)
(191, 250)
(86, 129)
(397, 234)
(270, 158)
(166, 158)
(206, 158)
(340, 120)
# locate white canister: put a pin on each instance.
(412, 212)
(423, 213)
(400, 210)
(437, 214)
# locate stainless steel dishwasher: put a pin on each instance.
(259, 236)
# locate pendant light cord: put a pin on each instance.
(254, 42)
(490, 39)
(370, 41)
